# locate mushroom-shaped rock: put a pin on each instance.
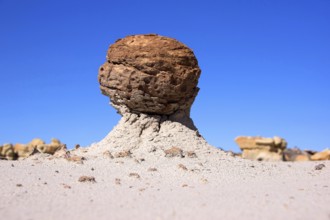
(150, 74)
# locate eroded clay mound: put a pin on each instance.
(150, 74)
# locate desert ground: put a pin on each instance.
(211, 185)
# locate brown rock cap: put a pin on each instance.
(150, 74)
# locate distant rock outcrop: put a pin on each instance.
(262, 149)
(295, 154)
(7, 152)
(323, 155)
(19, 151)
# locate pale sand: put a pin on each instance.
(224, 188)
(214, 185)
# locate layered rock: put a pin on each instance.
(150, 74)
(295, 154)
(19, 151)
(323, 155)
(7, 152)
(261, 148)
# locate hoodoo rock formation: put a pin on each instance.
(150, 74)
(152, 82)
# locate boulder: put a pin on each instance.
(150, 74)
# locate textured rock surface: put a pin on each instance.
(51, 148)
(260, 148)
(19, 151)
(23, 150)
(7, 152)
(142, 135)
(323, 155)
(150, 74)
(260, 142)
(295, 154)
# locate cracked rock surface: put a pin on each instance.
(142, 135)
(150, 74)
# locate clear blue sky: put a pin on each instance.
(265, 66)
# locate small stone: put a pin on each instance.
(319, 166)
(125, 153)
(77, 159)
(191, 154)
(203, 180)
(19, 185)
(173, 152)
(183, 167)
(118, 181)
(134, 175)
(108, 154)
(152, 149)
(62, 153)
(87, 179)
(152, 169)
(65, 186)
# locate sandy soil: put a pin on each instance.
(213, 185)
(150, 182)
